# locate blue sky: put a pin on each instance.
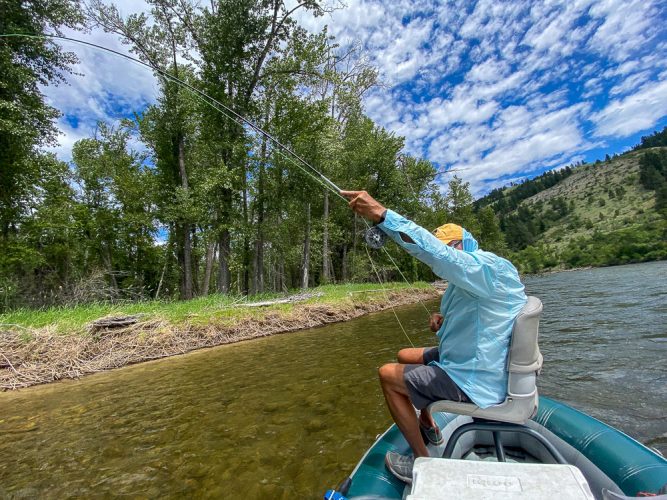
(499, 91)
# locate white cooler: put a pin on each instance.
(438, 478)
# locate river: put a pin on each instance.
(289, 416)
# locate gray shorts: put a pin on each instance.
(427, 384)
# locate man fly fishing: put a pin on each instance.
(474, 328)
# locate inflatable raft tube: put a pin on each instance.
(609, 459)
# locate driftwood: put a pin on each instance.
(299, 297)
(109, 322)
(440, 285)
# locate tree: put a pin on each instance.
(159, 41)
(231, 44)
(459, 204)
(116, 215)
(39, 262)
(347, 77)
(653, 169)
(657, 139)
(490, 236)
(27, 121)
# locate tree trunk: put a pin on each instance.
(106, 256)
(187, 241)
(306, 250)
(210, 254)
(354, 235)
(224, 253)
(344, 271)
(260, 263)
(332, 271)
(246, 240)
(194, 238)
(325, 240)
(253, 282)
(259, 243)
(167, 255)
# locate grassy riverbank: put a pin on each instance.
(42, 346)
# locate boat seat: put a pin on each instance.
(523, 364)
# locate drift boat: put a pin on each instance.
(603, 462)
(524, 447)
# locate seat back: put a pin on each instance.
(523, 363)
(525, 360)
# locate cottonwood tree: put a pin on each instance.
(348, 77)
(27, 121)
(116, 216)
(236, 41)
(160, 40)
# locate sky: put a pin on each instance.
(496, 91)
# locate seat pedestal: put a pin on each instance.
(496, 429)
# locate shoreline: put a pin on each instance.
(49, 357)
(548, 272)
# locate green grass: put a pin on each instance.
(212, 308)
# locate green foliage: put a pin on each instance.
(600, 249)
(26, 124)
(617, 247)
(535, 258)
(653, 176)
(653, 169)
(490, 236)
(657, 139)
(505, 200)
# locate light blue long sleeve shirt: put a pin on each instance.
(483, 297)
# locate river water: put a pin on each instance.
(289, 416)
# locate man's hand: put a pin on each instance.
(436, 322)
(365, 205)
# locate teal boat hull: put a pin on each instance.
(607, 457)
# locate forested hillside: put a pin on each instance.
(604, 213)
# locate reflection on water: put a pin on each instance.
(289, 416)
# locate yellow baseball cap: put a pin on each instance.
(449, 232)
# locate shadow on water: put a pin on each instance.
(289, 416)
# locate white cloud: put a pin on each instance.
(636, 112)
(514, 86)
(104, 87)
(630, 83)
(488, 71)
(626, 25)
(66, 139)
(522, 140)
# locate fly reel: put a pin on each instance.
(375, 237)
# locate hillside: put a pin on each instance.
(607, 197)
(598, 214)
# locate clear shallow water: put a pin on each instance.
(289, 416)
